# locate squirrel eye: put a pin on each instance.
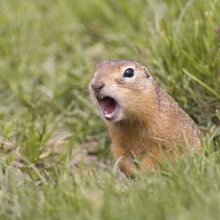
(128, 72)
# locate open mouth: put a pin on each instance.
(109, 107)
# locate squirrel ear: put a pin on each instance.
(146, 71)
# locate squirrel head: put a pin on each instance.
(122, 89)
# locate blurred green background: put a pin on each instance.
(49, 50)
(48, 53)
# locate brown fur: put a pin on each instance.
(152, 125)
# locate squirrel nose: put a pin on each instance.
(97, 85)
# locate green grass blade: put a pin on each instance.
(202, 83)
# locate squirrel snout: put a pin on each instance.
(98, 85)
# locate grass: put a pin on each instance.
(55, 161)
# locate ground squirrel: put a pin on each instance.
(144, 122)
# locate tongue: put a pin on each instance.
(108, 105)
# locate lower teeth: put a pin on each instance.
(106, 113)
